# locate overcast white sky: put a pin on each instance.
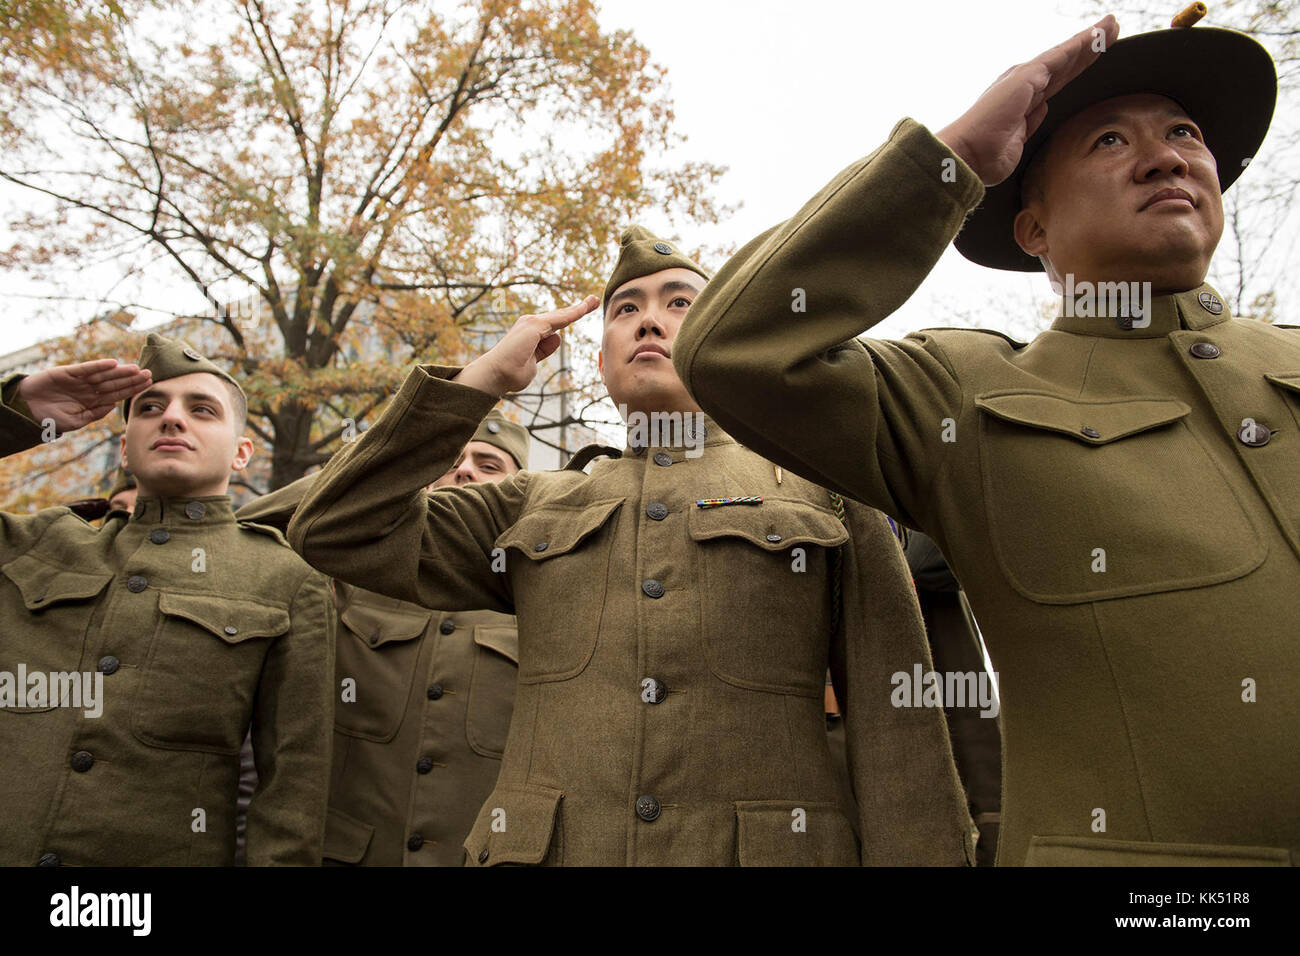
(788, 92)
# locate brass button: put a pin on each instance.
(1255, 435)
(774, 538)
(49, 859)
(1089, 432)
(434, 692)
(136, 583)
(108, 664)
(231, 630)
(190, 354)
(540, 546)
(424, 765)
(663, 248)
(159, 535)
(652, 588)
(1205, 350)
(653, 691)
(195, 510)
(483, 856)
(82, 761)
(663, 459)
(1210, 303)
(415, 842)
(647, 808)
(657, 511)
(447, 627)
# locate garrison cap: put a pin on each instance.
(644, 254)
(511, 438)
(1224, 80)
(171, 358)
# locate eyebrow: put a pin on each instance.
(499, 458)
(1114, 119)
(188, 396)
(636, 292)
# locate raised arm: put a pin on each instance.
(367, 519)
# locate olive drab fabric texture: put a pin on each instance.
(191, 650)
(1118, 499)
(422, 704)
(672, 657)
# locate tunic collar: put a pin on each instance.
(1196, 309)
(685, 434)
(181, 512)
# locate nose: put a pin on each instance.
(465, 473)
(650, 324)
(1160, 158)
(173, 415)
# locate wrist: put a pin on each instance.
(478, 374)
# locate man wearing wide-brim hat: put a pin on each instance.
(1117, 497)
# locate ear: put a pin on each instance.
(121, 450)
(600, 364)
(1029, 232)
(243, 452)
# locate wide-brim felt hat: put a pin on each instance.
(1224, 80)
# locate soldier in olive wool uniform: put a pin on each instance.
(677, 607)
(1117, 497)
(194, 625)
(424, 699)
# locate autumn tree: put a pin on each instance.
(364, 177)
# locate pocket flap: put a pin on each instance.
(44, 584)
(371, 615)
(1289, 382)
(500, 638)
(1090, 851)
(548, 532)
(1089, 422)
(229, 619)
(515, 825)
(346, 838)
(774, 525)
(785, 833)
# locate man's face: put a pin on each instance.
(478, 462)
(1127, 192)
(180, 439)
(123, 500)
(641, 322)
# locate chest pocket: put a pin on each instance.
(60, 602)
(1090, 500)
(558, 559)
(492, 688)
(205, 663)
(379, 652)
(765, 592)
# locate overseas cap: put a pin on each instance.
(1224, 80)
(498, 431)
(171, 358)
(644, 254)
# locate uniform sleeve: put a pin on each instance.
(293, 721)
(367, 519)
(18, 430)
(912, 807)
(769, 350)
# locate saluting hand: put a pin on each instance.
(76, 395)
(991, 135)
(511, 364)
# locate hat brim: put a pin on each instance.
(1225, 81)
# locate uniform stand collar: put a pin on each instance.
(213, 509)
(671, 431)
(1195, 309)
